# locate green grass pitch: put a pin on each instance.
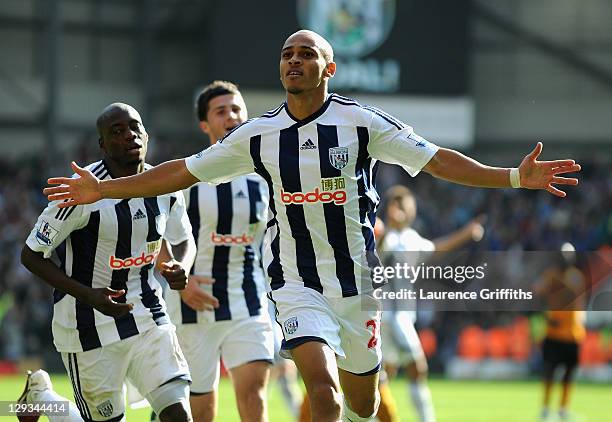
(455, 401)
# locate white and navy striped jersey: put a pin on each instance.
(321, 175)
(112, 243)
(228, 223)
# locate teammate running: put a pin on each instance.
(228, 221)
(109, 319)
(318, 152)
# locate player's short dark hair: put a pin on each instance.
(210, 91)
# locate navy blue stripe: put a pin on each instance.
(97, 167)
(249, 287)
(126, 325)
(71, 210)
(275, 269)
(79, 389)
(61, 254)
(276, 313)
(77, 397)
(367, 208)
(225, 214)
(334, 215)
(274, 112)
(398, 124)
(236, 128)
(298, 341)
(347, 99)
(148, 296)
(254, 198)
(248, 284)
(188, 314)
(99, 171)
(61, 214)
(289, 164)
(313, 116)
(84, 243)
(384, 114)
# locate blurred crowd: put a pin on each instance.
(516, 219)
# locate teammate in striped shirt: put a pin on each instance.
(228, 221)
(318, 153)
(109, 319)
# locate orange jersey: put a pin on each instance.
(565, 326)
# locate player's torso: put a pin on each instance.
(228, 222)
(231, 214)
(565, 326)
(116, 248)
(320, 175)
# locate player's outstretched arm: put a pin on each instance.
(100, 299)
(455, 167)
(167, 177)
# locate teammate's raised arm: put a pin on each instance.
(167, 177)
(455, 167)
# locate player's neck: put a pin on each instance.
(123, 170)
(306, 103)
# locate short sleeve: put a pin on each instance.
(178, 227)
(393, 142)
(54, 225)
(222, 161)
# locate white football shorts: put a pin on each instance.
(349, 325)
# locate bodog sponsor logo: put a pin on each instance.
(118, 263)
(338, 197)
(230, 239)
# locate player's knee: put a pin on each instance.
(366, 407)
(325, 398)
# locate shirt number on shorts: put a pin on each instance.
(374, 339)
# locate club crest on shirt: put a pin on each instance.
(105, 408)
(338, 157)
(291, 325)
(45, 233)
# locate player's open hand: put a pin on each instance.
(175, 274)
(195, 297)
(544, 174)
(84, 189)
(102, 299)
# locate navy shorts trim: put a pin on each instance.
(298, 341)
(370, 372)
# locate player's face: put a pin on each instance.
(302, 65)
(124, 138)
(401, 212)
(225, 112)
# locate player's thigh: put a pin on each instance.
(316, 362)
(359, 319)
(157, 360)
(201, 345)
(97, 380)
